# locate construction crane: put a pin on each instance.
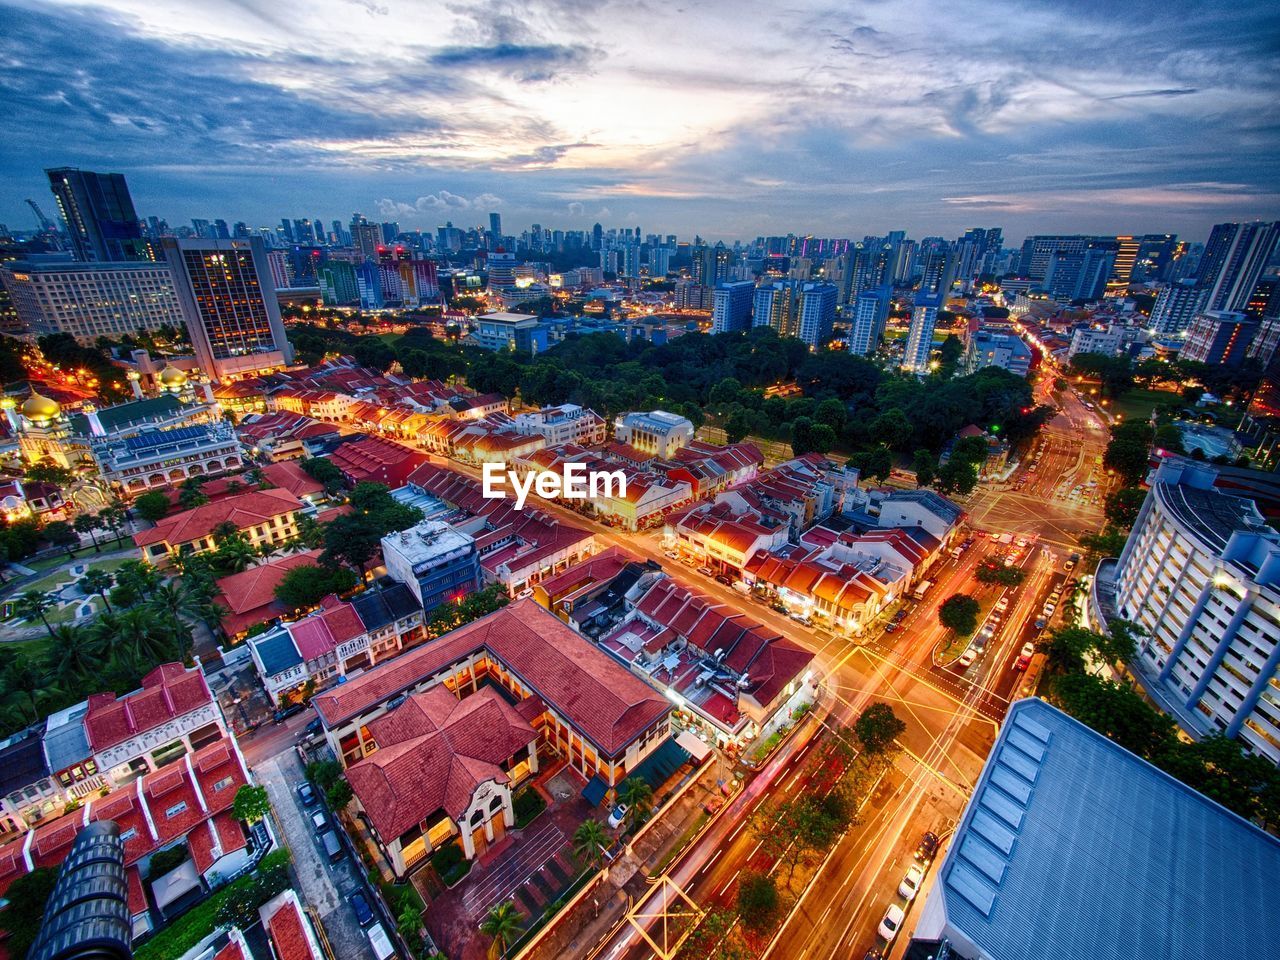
(47, 226)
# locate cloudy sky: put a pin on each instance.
(730, 117)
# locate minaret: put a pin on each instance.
(135, 381)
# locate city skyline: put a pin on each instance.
(907, 115)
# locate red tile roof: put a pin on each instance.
(586, 686)
(250, 596)
(335, 623)
(377, 459)
(168, 691)
(288, 933)
(287, 475)
(12, 865)
(124, 806)
(137, 895)
(433, 752)
(245, 510)
(232, 951)
(172, 789)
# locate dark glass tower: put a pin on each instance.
(99, 214)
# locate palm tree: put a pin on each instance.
(177, 603)
(88, 523)
(637, 795)
(502, 924)
(24, 677)
(33, 603)
(99, 582)
(142, 632)
(75, 653)
(138, 577)
(589, 843)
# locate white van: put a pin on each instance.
(381, 943)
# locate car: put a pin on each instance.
(525, 594)
(910, 884)
(965, 660)
(671, 554)
(313, 728)
(330, 845)
(617, 815)
(1024, 656)
(319, 821)
(1071, 562)
(689, 561)
(364, 912)
(927, 848)
(900, 615)
(727, 581)
(1002, 604)
(891, 627)
(892, 923)
(873, 954)
(1049, 609)
(380, 942)
(714, 804)
(800, 618)
(280, 716)
(307, 794)
(1040, 623)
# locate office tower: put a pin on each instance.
(1176, 306)
(904, 264)
(369, 285)
(502, 270)
(972, 249)
(367, 238)
(1219, 338)
(1154, 257)
(338, 283)
(1200, 574)
(202, 228)
(303, 232)
(285, 230)
(805, 311)
(389, 232)
(867, 322)
(919, 350)
(1234, 259)
(597, 237)
(229, 304)
(221, 230)
(1125, 260)
(240, 231)
(1037, 251)
(659, 261)
(340, 235)
(281, 269)
(99, 213)
(731, 306)
(91, 300)
(495, 228)
(939, 274)
(631, 259)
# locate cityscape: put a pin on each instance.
(617, 552)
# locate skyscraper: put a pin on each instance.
(1234, 259)
(805, 311)
(495, 229)
(919, 349)
(731, 306)
(366, 237)
(1219, 338)
(228, 301)
(866, 327)
(99, 214)
(1176, 306)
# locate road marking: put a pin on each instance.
(708, 864)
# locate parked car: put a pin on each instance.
(910, 884)
(1041, 623)
(891, 923)
(900, 615)
(671, 554)
(1002, 604)
(890, 627)
(727, 581)
(1071, 562)
(705, 571)
(966, 659)
(618, 814)
(330, 845)
(307, 794)
(927, 848)
(320, 821)
(1048, 610)
(381, 943)
(314, 728)
(364, 912)
(280, 716)
(1024, 656)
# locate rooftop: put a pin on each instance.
(1071, 846)
(246, 510)
(425, 541)
(168, 691)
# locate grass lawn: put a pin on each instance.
(390, 339)
(1138, 404)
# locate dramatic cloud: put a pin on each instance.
(728, 118)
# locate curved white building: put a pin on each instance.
(1201, 574)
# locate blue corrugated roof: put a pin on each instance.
(158, 438)
(277, 652)
(1071, 846)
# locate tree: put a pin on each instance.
(757, 899)
(589, 843)
(24, 678)
(993, 571)
(638, 796)
(1122, 506)
(141, 631)
(33, 603)
(26, 897)
(339, 793)
(833, 413)
(251, 804)
(925, 465)
(959, 613)
(49, 473)
(74, 654)
(88, 523)
(60, 534)
(738, 425)
(138, 579)
(877, 727)
(152, 506)
(957, 476)
(351, 539)
(177, 602)
(307, 585)
(1115, 711)
(321, 470)
(893, 429)
(99, 582)
(502, 924)
(1109, 543)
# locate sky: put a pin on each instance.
(730, 118)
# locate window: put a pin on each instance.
(129, 834)
(176, 809)
(223, 784)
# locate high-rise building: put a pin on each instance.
(1176, 306)
(1125, 260)
(495, 229)
(1233, 261)
(99, 213)
(390, 231)
(731, 306)
(369, 285)
(1219, 338)
(805, 311)
(281, 269)
(1200, 574)
(917, 355)
(418, 281)
(91, 300)
(367, 238)
(1037, 250)
(867, 322)
(1154, 258)
(229, 304)
(659, 261)
(338, 283)
(630, 261)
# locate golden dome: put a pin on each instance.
(40, 408)
(171, 378)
